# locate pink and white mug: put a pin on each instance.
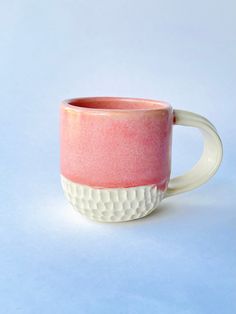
(116, 155)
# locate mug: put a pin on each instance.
(116, 155)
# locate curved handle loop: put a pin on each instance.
(211, 157)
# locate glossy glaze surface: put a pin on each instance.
(124, 146)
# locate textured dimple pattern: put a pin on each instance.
(112, 204)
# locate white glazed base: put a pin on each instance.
(112, 204)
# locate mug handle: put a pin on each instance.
(211, 157)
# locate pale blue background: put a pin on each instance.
(181, 259)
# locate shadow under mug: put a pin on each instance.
(116, 155)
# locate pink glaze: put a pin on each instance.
(116, 142)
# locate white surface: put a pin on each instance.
(112, 204)
(178, 260)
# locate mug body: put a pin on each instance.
(115, 155)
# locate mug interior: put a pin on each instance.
(117, 103)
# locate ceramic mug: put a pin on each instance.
(116, 155)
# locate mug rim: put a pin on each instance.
(154, 105)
